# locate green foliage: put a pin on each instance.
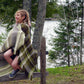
(64, 40)
(51, 9)
(53, 55)
(34, 9)
(60, 44)
(8, 9)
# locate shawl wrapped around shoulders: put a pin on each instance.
(19, 39)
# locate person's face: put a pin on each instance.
(19, 18)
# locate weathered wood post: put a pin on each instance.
(43, 60)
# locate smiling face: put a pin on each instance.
(19, 18)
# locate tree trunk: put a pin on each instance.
(73, 60)
(27, 6)
(39, 24)
(78, 62)
(81, 33)
(43, 60)
(68, 37)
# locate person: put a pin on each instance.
(18, 50)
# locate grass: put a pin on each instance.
(66, 71)
(67, 75)
(59, 75)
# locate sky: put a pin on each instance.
(63, 1)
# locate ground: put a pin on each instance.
(61, 75)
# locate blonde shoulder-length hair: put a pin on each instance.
(24, 13)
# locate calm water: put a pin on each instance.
(48, 32)
(2, 30)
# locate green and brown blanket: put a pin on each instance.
(19, 39)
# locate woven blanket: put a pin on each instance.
(19, 39)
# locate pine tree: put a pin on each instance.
(66, 33)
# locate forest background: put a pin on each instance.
(67, 45)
